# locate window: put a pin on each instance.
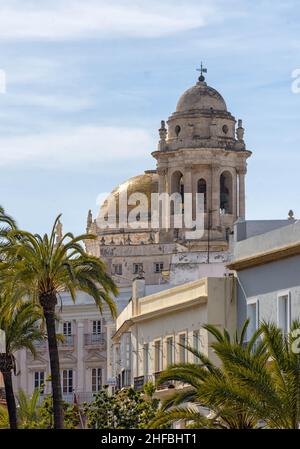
(182, 349)
(96, 379)
(253, 316)
(67, 328)
(225, 129)
(67, 381)
(170, 351)
(137, 268)
(284, 312)
(201, 190)
(146, 359)
(158, 267)
(196, 344)
(157, 356)
(97, 327)
(177, 130)
(118, 269)
(226, 192)
(39, 380)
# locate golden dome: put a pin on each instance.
(146, 184)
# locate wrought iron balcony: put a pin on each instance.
(95, 340)
(68, 341)
(138, 383)
(163, 385)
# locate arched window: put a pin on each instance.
(226, 192)
(177, 186)
(177, 130)
(201, 188)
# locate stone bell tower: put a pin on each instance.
(202, 151)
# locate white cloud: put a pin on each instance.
(78, 147)
(75, 19)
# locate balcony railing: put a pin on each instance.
(163, 385)
(95, 340)
(68, 341)
(138, 383)
(40, 345)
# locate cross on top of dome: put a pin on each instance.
(201, 70)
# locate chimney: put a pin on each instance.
(138, 291)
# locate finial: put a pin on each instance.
(201, 70)
(163, 132)
(240, 131)
(89, 218)
(291, 215)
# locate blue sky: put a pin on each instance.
(87, 83)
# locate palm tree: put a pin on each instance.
(269, 385)
(42, 267)
(20, 329)
(257, 382)
(196, 403)
(7, 224)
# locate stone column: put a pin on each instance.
(80, 357)
(241, 174)
(215, 197)
(161, 180)
(234, 195)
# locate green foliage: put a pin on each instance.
(126, 409)
(71, 415)
(33, 415)
(255, 383)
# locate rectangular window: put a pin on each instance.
(157, 356)
(284, 312)
(146, 359)
(170, 351)
(196, 344)
(96, 379)
(67, 381)
(182, 349)
(137, 268)
(253, 316)
(67, 328)
(158, 267)
(117, 269)
(39, 380)
(96, 327)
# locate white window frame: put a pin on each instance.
(183, 351)
(39, 380)
(170, 337)
(97, 375)
(96, 325)
(68, 326)
(68, 384)
(284, 294)
(160, 266)
(249, 303)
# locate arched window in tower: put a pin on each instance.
(226, 192)
(201, 188)
(177, 186)
(177, 130)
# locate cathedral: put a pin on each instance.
(201, 149)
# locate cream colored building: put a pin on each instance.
(150, 328)
(84, 354)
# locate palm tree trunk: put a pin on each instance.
(6, 367)
(48, 303)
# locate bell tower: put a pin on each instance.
(201, 150)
